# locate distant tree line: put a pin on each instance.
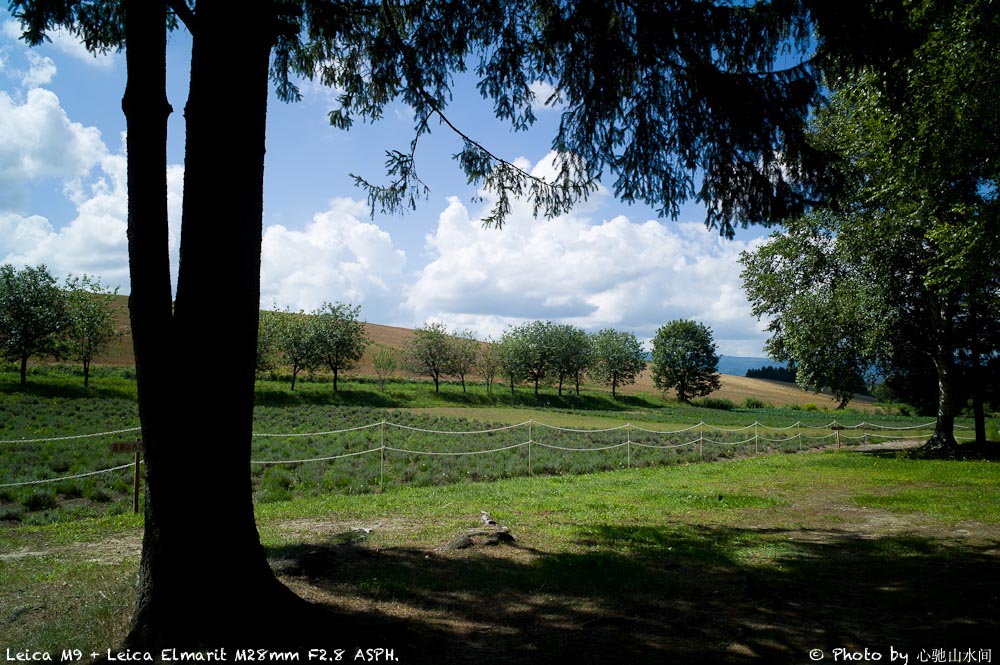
(39, 318)
(537, 353)
(779, 373)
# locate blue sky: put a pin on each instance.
(62, 203)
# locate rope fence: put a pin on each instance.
(837, 433)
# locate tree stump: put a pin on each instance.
(491, 533)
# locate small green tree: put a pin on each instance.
(571, 353)
(618, 358)
(537, 349)
(295, 342)
(385, 362)
(32, 314)
(268, 338)
(91, 320)
(429, 352)
(684, 358)
(339, 337)
(514, 357)
(489, 364)
(464, 350)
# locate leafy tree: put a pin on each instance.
(910, 253)
(91, 320)
(338, 337)
(462, 355)
(429, 352)
(296, 342)
(537, 349)
(618, 358)
(32, 314)
(814, 304)
(514, 356)
(385, 362)
(571, 353)
(651, 106)
(268, 336)
(684, 358)
(489, 363)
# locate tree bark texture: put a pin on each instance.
(944, 428)
(204, 578)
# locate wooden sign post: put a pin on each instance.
(131, 447)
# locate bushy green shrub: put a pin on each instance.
(721, 404)
(70, 489)
(809, 406)
(99, 495)
(277, 478)
(40, 500)
(756, 403)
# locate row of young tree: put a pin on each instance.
(41, 318)
(537, 352)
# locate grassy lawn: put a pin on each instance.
(636, 553)
(44, 465)
(754, 560)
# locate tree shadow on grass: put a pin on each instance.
(645, 594)
(971, 450)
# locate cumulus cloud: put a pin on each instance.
(612, 273)
(41, 71)
(38, 141)
(94, 242)
(336, 257)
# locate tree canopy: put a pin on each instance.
(338, 337)
(900, 268)
(685, 359)
(90, 320)
(618, 358)
(32, 314)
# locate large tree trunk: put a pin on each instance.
(978, 388)
(944, 428)
(204, 578)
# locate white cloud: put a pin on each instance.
(41, 71)
(543, 94)
(614, 273)
(38, 140)
(336, 257)
(95, 241)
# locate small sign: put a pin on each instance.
(126, 447)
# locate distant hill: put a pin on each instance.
(738, 365)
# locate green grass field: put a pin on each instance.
(50, 457)
(621, 552)
(754, 560)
